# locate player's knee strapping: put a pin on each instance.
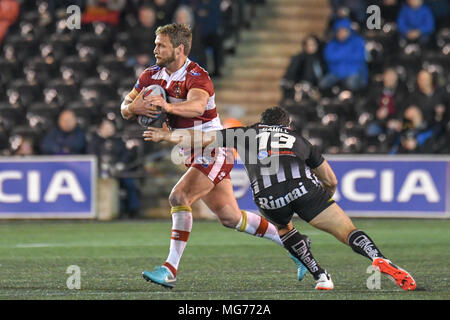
(258, 226)
(253, 224)
(298, 245)
(360, 242)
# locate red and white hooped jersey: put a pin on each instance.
(189, 76)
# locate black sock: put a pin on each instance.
(362, 244)
(298, 245)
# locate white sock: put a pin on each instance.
(181, 229)
(258, 226)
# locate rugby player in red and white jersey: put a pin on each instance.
(191, 105)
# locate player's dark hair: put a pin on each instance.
(178, 34)
(275, 116)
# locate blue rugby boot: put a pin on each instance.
(160, 275)
(301, 271)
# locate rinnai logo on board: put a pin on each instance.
(385, 187)
(47, 187)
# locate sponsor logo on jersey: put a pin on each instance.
(154, 67)
(263, 154)
(270, 203)
(194, 73)
(203, 161)
(177, 91)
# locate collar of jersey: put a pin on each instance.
(178, 71)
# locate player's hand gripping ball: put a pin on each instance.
(144, 121)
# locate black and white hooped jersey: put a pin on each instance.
(272, 154)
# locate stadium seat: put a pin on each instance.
(23, 93)
(111, 111)
(19, 48)
(86, 116)
(40, 69)
(9, 70)
(96, 44)
(323, 136)
(132, 135)
(81, 68)
(41, 120)
(352, 130)
(60, 92)
(443, 37)
(111, 68)
(57, 47)
(25, 131)
(9, 116)
(94, 91)
(375, 55)
(3, 139)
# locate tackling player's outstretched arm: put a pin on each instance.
(183, 137)
(326, 175)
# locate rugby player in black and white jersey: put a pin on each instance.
(289, 175)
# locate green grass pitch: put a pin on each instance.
(218, 263)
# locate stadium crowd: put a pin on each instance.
(386, 90)
(61, 87)
(355, 91)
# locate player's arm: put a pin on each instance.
(194, 106)
(319, 166)
(183, 137)
(134, 104)
(326, 175)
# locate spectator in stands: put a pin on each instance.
(9, 12)
(385, 103)
(415, 137)
(415, 22)
(389, 9)
(184, 15)
(307, 66)
(164, 11)
(441, 12)
(107, 11)
(25, 148)
(208, 17)
(428, 96)
(66, 138)
(144, 34)
(345, 59)
(113, 158)
(354, 10)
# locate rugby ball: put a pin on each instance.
(145, 121)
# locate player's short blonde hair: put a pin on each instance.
(178, 34)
